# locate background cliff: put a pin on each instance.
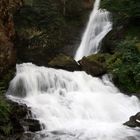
(7, 33)
(37, 30)
(46, 28)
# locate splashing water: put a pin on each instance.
(98, 26)
(74, 105)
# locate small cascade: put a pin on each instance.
(74, 105)
(98, 26)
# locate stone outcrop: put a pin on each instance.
(134, 121)
(7, 33)
(93, 65)
(20, 120)
(64, 62)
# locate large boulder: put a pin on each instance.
(18, 119)
(19, 114)
(134, 121)
(94, 64)
(64, 62)
(32, 125)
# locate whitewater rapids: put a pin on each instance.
(74, 105)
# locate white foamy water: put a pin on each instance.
(98, 26)
(74, 105)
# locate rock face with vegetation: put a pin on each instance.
(12, 115)
(123, 42)
(123, 64)
(15, 119)
(47, 27)
(7, 33)
(7, 60)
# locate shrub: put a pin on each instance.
(125, 65)
(127, 8)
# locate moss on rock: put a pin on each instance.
(64, 62)
(94, 64)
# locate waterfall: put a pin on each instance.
(98, 26)
(74, 105)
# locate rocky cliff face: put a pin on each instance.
(47, 28)
(7, 33)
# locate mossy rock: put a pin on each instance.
(64, 62)
(100, 57)
(138, 46)
(124, 11)
(94, 65)
(5, 109)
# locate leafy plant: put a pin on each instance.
(6, 129)
(125, 65)
(4, 109)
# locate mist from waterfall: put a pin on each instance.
(98, 26)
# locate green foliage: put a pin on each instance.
(5, 125)
(125, 9)
(125, 65)
(98, 57)
(4, 81)
(133, 31)
(6, 129)
(4, 109)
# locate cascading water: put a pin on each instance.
(98, 26)
(74, 105)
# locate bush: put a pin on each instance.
(125, 9)
(125, 65)
(4, 109)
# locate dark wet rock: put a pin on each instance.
(134, 121)
(20, 120)
(28, 136)
(32, 125)
(64, 62)
(93, 65)
(19, 115)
